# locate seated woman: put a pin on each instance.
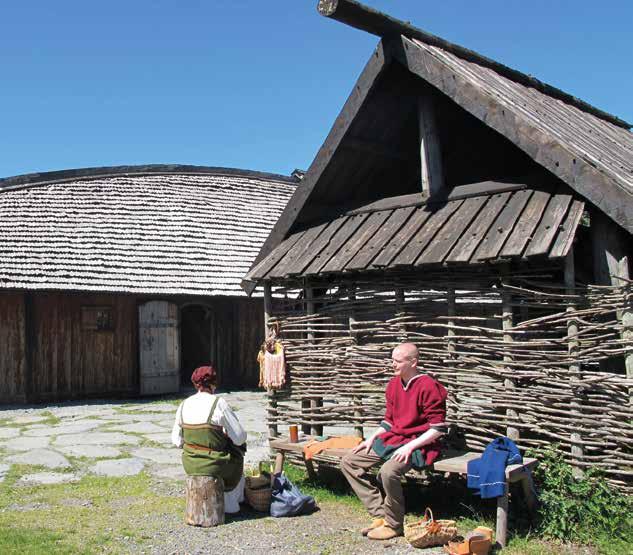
(212, 438)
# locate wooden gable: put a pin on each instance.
(492, 123)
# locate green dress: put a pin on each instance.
(207, 451)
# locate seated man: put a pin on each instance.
(407, 437)
(212, 438)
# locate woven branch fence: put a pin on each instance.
(520, 355)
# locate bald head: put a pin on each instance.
(405, 361)
(408, 350)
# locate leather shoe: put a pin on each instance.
(384, 532)
(477, 542)
(376, 523)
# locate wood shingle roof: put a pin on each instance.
(593, 155)
(561, 136)
(496, 226)
(162, 232)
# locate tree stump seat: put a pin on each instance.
(451, 462)
(204, 501)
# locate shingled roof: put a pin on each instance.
(149, 229)
(370, 145)
(407, 233)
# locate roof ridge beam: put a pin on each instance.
(580, 174)
(372, 21)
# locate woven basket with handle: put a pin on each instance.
(429, 532)
(258, 490)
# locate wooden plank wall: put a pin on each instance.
(238, 326)
(72, 362)
(12, 353)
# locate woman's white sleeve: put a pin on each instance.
(176, 432)
(231, 424)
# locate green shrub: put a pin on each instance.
(579, 509)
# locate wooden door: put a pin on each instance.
(159, 348)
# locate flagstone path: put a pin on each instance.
(71, 440)
(111, 439)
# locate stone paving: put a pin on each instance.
(71, 440)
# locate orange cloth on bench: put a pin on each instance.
(315, 447)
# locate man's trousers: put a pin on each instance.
(388, 503)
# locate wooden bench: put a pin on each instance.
(451, 463)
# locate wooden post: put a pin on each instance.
(611, 249)
(268, 306)
(627, 335)
(450, 334)
(204, 501)
(305, 404)
(574, 368)
(431, 172)
(399, 308)
(451, 311)
(502, 516)
(29, 346)
(626, 318)
(273, 431)
(509, 385)
(315, 402)
(358, 400)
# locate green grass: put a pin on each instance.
(100, 514)
(34, 541)
(330, 487)
(49, 418)
(610, 546)
(451, 499)
(107, 513)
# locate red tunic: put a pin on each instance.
(410, 412)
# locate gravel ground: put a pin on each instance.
(102, 429)
(332, 529)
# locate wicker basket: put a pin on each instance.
(429, 532)
(258, 490)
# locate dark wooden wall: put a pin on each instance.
(12, 352)
(71, 361)
(67, 360)
(239, 332)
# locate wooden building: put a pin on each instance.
(120, 281)
(480, 213)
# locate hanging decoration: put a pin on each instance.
(272, 364)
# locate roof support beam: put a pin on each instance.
(542, 147)
(431, 173)
(372, 21)
(610, 251)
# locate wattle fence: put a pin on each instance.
(520, 355)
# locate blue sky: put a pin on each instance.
(254, 84)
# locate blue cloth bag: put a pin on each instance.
(488, 473)
(287, 500)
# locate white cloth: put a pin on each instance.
(195, 410)
(233, 498)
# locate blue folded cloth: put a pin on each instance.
(487, 474)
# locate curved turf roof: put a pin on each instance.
(137, 229)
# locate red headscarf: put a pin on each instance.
(205, 377)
